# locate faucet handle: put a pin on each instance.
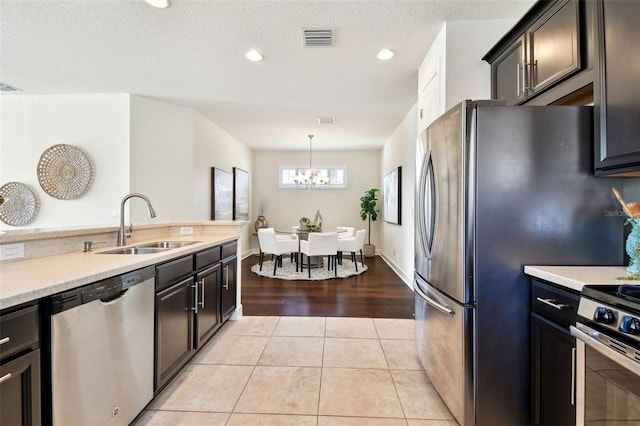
(129, 233)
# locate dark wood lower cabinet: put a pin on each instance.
(194, 296)
(208, 318)
(229, 287)
(553, 355)
(174, 322)
(20, 391)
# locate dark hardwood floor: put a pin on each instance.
(377, 293)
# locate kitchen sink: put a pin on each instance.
(134, 250)
(168, 244)
(149, 248)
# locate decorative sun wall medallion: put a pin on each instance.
(20, 204)
(64, 172)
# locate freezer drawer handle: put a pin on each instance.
(440, 306)
(5, 340)
(550, 302)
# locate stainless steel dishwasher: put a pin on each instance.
(102, 351)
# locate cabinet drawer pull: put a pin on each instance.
(551, 302)
(5, 377)
(5, 340)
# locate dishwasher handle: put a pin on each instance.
(113, 298)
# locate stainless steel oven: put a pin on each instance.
(608, 356)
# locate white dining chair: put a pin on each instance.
(320, 244)
(276, 247)
(353, 245)
(292, 236)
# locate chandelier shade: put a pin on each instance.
(310, 179)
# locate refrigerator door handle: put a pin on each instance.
(427, 205)
(439, 306)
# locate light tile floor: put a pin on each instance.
(303, 371)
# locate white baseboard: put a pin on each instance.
(407, 280)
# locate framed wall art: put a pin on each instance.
(221, 194)
(391, 197)
(240, 194)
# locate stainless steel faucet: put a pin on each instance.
(122, 235)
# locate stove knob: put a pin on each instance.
(604, 316)
(630, 325)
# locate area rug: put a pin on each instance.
(288, 270)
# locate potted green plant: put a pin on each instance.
(368, 212)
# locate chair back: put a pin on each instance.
(267, 240)
(323, 243)
(345, 231)
(360, 234)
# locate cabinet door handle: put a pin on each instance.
(195, 297)
(525, 86)
(5, 377)
(550, 302)
(5, 340)
(517, 79)
(226, 277)
(573, 376)
(202, 294)
(534, 71)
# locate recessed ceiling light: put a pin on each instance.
(253, 56)
(161, 4)
(385, 54)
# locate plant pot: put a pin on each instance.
(369, 250)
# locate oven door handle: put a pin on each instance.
(589, 337)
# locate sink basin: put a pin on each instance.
(135, 250)
(167, 244)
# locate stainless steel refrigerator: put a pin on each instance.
(499, 188)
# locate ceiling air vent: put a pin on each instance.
(317, 37)
(326, 120)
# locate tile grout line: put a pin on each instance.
(244, 388)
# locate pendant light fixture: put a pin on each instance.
(310, 178)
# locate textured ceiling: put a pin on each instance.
(192, 54)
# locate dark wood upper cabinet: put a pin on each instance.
(617, 93)
(543, 49)
(508, 74)
(554, 46)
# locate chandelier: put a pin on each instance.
(310, 178)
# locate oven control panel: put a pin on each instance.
(610, 317)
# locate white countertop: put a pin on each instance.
(27, 280)
(575, 277)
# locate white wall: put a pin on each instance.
(162, 146)
(284, 207)
(213, 147)
(453, 69)
(97, 124)
(397, 244)
(467, 75)
(136, 144)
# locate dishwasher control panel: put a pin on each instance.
(104, 290)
